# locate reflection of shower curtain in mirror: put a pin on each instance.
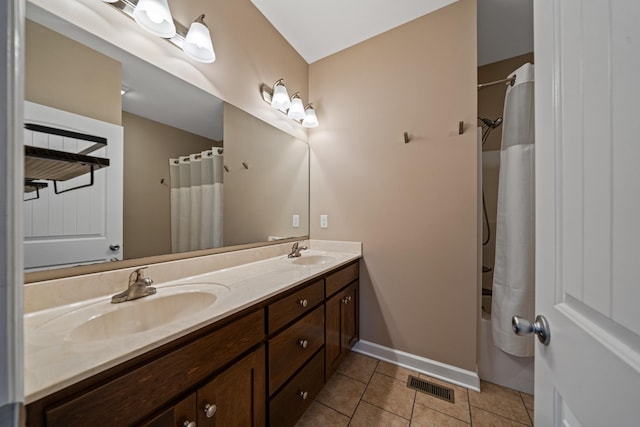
(513, 278)
(196, 201)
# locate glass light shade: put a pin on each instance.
(310, 119)
(197, 43)
(296, 111)
(280, 98)
(155, 17)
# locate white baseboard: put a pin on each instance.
(442, 371)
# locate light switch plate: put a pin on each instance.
(296, 221)
(324, 221)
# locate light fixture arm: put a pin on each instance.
(200, 20)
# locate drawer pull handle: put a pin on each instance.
(189, 424)
(303, 395)
(303, 343)
(346, 300)
(210, 410)
(303, 303)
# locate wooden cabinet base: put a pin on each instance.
(289, 404)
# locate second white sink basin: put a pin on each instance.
(313, 260)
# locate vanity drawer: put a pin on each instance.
(289, 404)
(284, 311)
(342, 278)
(145, 389)
(287, 352)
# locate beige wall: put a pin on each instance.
(148, 146)
(491, 105)
(249, 50)
(260, 201)
(414, 206)
(491, 99)
(64, 74)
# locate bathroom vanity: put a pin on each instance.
(260, 363)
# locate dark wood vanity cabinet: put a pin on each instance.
(233, 398)
(263, 366)
(342, 328)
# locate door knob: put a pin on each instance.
(540, 327)
(115, 247)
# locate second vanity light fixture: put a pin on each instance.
(293, 107)
(155, 17)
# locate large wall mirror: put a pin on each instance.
(187, 171)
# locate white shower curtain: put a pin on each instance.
(513, 278)
(196, 201)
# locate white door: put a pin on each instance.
(587, 55)
(81, 226)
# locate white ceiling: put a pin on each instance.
(317, 29)
(505, 29)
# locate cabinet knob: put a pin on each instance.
(303, 343)
(303, 302)
(209, 410)
(189, 424)
(345, 300)
(303, 395)
(349, 298)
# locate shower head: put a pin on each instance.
(491, 123)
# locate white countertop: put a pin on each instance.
(55, 358)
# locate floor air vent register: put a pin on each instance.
(430, 388)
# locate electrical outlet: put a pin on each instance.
(324, 221)
(296, 221)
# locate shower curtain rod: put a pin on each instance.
(511, 80)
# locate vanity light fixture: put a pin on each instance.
(310, 119)
(296, 111)
(155, 17)
(278, 97)
(197, 43)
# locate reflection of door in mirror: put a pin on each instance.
(79, 221)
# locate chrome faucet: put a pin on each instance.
(139, 287)
(295, 250)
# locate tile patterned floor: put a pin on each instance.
(371, 393)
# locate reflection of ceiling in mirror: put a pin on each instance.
(178, 103)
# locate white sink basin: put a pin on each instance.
(105, 321)
(141, 315)
(313, 260)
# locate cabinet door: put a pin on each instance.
(236, 397)
(333, 340)
(342, 328)
(181, 414)
(349, 318)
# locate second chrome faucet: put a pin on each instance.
(295, 250)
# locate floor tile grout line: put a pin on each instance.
(525, 407)
(469, 407)
(384, 410)
(353, 378)
(444, 413)
(500, 415)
